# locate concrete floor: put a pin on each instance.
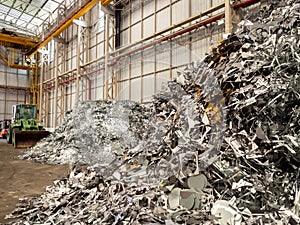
(19, 178)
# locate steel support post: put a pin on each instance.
(47, 109)
(78, 63)
(110, 78)
(228, 17)
(58, 91)
(56, 85)
(81, 56)
(34, 84)
(155, 56)
(44, 67)
(106, 72)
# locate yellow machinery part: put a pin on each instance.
(105, 2)
(26, 139)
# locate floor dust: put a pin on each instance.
(19, 178)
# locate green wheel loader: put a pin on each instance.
(25, 130)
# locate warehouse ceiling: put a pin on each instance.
(25, 16)
(40, 20)
(30, 24)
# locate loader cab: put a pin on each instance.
(23, 111)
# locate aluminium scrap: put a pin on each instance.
(93, 132)
(250, 174)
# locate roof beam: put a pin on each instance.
(63, 24)
(105, 2)
(8, 40)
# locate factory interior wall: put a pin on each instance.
(12, 83)
(144, 74)
(140, 75)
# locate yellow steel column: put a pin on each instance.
(34, 84)
(78, 63)
(55, 122)
(41, 87)
(43, 108)
(47, 106)
(228, 17)
(106, 73)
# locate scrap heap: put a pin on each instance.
(223, 143)
(112, 126)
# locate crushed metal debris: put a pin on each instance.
(112, 126)
(223, 144)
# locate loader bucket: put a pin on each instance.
(26, 139)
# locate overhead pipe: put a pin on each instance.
(91, 72)
(74, 78)
(168, 37)
(60, 83)
(245, 4)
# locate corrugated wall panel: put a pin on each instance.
(148, 64)
(148, 8)
(11, 79)
(12, 97)
(162, 3)
(99, 86)
(161, 80)
(136, 89)
(93, 40)
(124, 71)
(125, 37)
(123, 93)
(199, 6)
(200, 47)
(148, 25)
(216, 2)
(135, 68)
(180, 11)
(136, 32)
(163, 60)
(163, 19)
(148, 88)
(180, 55)
(8, 109)
(136, 16)
(93, 52)
(2, 110)
(125, 21)
(100, 50)
(100, 37)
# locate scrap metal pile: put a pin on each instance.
(223, 144)
(93, 132)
